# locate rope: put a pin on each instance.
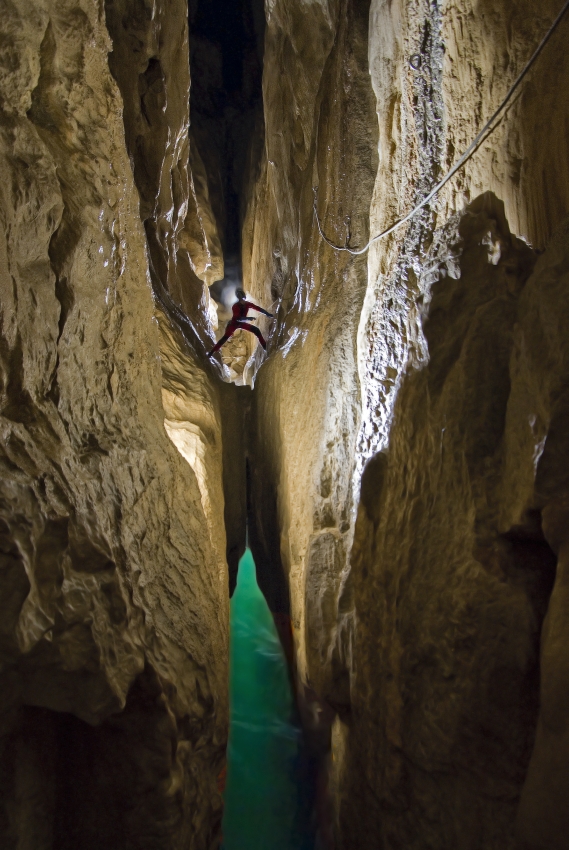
(486, 130)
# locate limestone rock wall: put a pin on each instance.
(113, 585)
(150, 62)
(451, 570)
(435, 364)
(306, 397)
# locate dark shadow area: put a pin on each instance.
(226, 109)
(264, 534)
(532, 556)
(65, 784)
(235, 403)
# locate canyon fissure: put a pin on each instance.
(400, 456)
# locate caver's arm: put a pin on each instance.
(252, 306)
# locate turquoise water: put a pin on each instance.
(267, 796)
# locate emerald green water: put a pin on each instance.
(267, 796)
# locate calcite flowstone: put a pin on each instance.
(113, 585)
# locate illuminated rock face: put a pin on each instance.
(114, 581)
(437, 360)
(150, 62)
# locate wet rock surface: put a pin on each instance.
(150, 62)
(306, 398)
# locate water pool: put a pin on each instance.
(268, 797)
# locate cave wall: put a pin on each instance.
(436, 364)
(305, 402)
(150, 62)
(451, 571)
(114, 578)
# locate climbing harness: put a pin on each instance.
(488, 128)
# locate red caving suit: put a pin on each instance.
(238, 322)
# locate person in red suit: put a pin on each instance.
(239, 321)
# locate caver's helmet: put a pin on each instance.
(240, 293)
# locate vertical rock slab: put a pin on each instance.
(537, 414)
(318, 99)
(113, 587)
(449, 592)
(412, 366)
(150, 62)
(436, 81)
